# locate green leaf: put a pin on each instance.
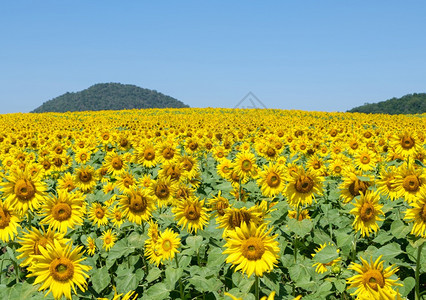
(215, 258)
(153, 274)
(100, 279)
(203, 284)
(389, 252)
(242, 282)
(326, 255)
(157, 291)
(300, 273)
(172, 276)
(194, 242)
(340, 285)
(383, 237)
(128, 280)
(301, 228)
(120, 249)
(399, 229)
(408, 285)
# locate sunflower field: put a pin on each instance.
(212, 204)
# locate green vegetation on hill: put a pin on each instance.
(109, 96)
(408, 104)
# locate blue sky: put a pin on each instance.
(306, 55)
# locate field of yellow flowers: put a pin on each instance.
(212, 204)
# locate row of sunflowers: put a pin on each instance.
(212, 204)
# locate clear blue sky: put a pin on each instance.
(307, 55)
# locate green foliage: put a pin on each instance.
(408, 104)
(109, 96)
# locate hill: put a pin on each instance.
(109, 96)
(408, 104)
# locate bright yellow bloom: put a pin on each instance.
(251, 249)
(367, 210)
(9, 222)
(417, 215)
(109, 238)
(59, 269)
(372, 281)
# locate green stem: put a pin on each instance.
(256, 287)
(182, 297)
(354, 247)
(417, 275)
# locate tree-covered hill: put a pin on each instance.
(109, 96)
(408, 104)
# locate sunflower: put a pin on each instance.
(302, 187)
(145, 181)
(98, 214)
(271, 180)
(23, 191)
(117, 216)
(409, 181)
(235, 217)
(126, 182)
(184, 191)
(85, 178)
(386, 183)
(252, 249)
(245, 165)
(407, 144)
(82, 156)
(224, 168)
(218, 204)
(35, 238)
(115, 163)
(60, 162)
(191, 213)
(91, 246)
(145, 154)
(108, 238)
(9, 222)
(168, 244)
(336, 167)
(59, 269)
(322, 267)
(172, 169)
(137, 205)
(63, 211)
(372, 281)
(190, 167)
(167, 151)
(417, 214)
(365, 159)
(66, 182)
(152, 251)
(219, 153)
(316, 164)
(354, 183)
(163, 190)
(367, 210)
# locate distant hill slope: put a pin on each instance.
(408, 104)
(109, 96)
